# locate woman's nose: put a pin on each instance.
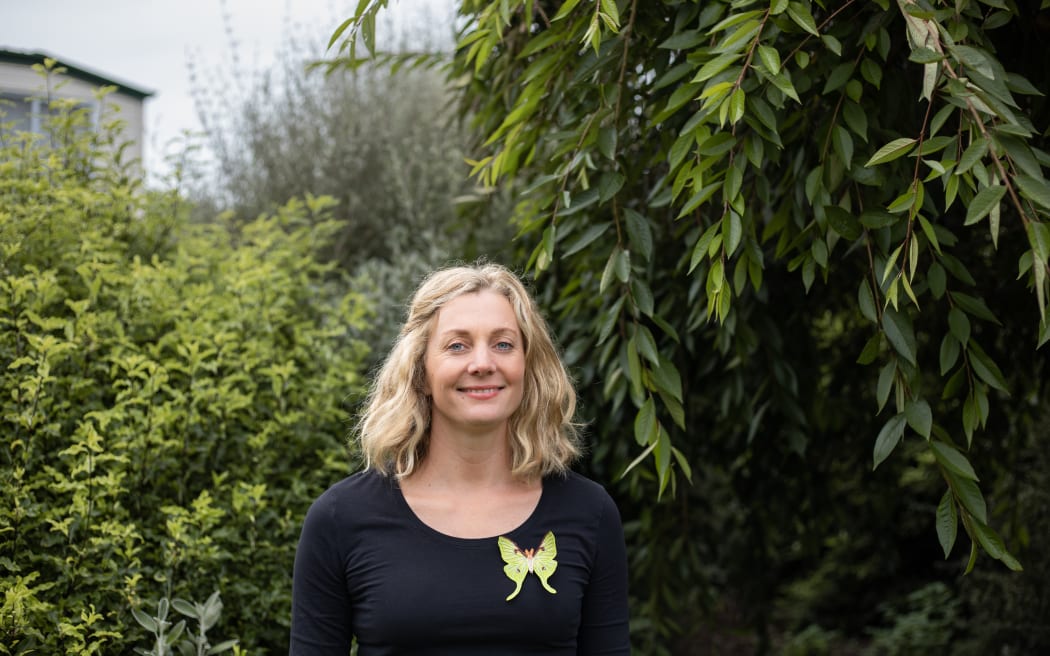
(480, 362)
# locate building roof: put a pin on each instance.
(73, 70)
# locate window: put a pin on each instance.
(22, 114)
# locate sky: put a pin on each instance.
(149, 44)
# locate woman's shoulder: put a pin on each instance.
(576, 488)
(575, 481)
(363, 491)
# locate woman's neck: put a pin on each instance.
(458, 460)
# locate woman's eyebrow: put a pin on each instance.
(464, 332)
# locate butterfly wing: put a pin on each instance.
(517, 567)
(544, 563)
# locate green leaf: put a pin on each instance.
(612, 11)
(565, 10)
(800, 14)
(609, 184)
(983, 203)
(949, 353)
(969, 495)
(989, 540)
(951, 458)
(716, 66)
(919, 417)
(645, 424)
(593, 232)
(546, 250)
(931, 234)
(832, 44)
(973, 557)
(876, 219)
(647, 345)
(947, 522)
(639, 233)
(667, 378)
(702, 244)
(870, 350)
(855, 119)
(607, 142)
(843, 222)
(634, 369)
(974, 58)
(663, 459)
(899, 331)
(973, 154)
(770, 58)
(959, 324)
(145, 620)
(684, 40)
(885, 384)
(642, 295)
(623, 265)
(937, 280)
(184, 607)
(698, 199)
(683, 463)
(923, 55)
(888, 438)
(732, 230)
(782, 81)
(972, 305)
(638, 460)
(843, 144)
(175, 633)
(891, 151)
(867, 302)
(736, 106)
(717, 144)
(609, 273)
(985, 368)
(674, 408)
(225, 645)
(1038, 190)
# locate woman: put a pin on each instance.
(466, 533)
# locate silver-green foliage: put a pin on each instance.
(172, 398)
(165, 634)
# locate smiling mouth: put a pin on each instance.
(480, 390)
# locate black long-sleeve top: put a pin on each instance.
(368, 567)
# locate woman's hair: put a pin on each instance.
(395, 426)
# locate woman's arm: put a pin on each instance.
(604, 626)
(321, 609)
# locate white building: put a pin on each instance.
(25, 96)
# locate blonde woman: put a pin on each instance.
(466, 533)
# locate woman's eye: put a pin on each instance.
(457, 346)
(504, 346)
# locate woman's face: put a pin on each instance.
(474, 363)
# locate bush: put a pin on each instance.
(388, 146)
(172, 400)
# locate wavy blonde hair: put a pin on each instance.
(395, 425)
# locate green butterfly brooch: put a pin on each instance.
(520, 562)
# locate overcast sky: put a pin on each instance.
(149, 43)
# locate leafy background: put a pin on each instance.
(795, 255)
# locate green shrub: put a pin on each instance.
(172, 397)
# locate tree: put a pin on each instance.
(732, 204)
(386, 146)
